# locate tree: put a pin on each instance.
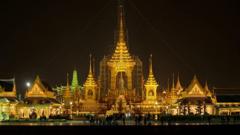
(199, 107)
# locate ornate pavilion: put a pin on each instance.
(40, 100)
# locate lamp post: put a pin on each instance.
(63, 108)
(156, 106)
(50, 110)
(164, 96)
(167, 110)
(177, 110)
(9, 109)
(60, 110)
(156, 109)
(1, 108)
(71, 110)
(77, 109)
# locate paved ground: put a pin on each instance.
(120, 123)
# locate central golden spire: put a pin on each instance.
(121, 53)
(90, 65)
(121, 32)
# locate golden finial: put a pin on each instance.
(67, 79)
(173, 83)
(121, 36)
(90, 64)
(150, 65)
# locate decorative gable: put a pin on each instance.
(37, 90)
(196, 91)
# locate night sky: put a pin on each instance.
(52, 37)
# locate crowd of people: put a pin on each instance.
(121, 119)
(137, 119)
(150, 119)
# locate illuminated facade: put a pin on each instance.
(8, 98)
(75, 88)
(150, 103)
(67, 98)
(195, 99)
(90, 103)
(40, 101)
(227, 101)
(151, 85)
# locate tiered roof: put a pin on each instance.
(151, 79)
(121, 53)
(90, 79)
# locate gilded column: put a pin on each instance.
(113, 80)
(129, 78)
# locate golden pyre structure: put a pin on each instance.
(120, 73)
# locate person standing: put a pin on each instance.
(145, 120)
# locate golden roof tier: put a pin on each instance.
(121, 57)
(90, 86)
(67, 92)
(151, 79)
(151, 85)
(90, 79)
(195, 89)
(120, 62)
(178, 84)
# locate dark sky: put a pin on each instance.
(51, 37)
